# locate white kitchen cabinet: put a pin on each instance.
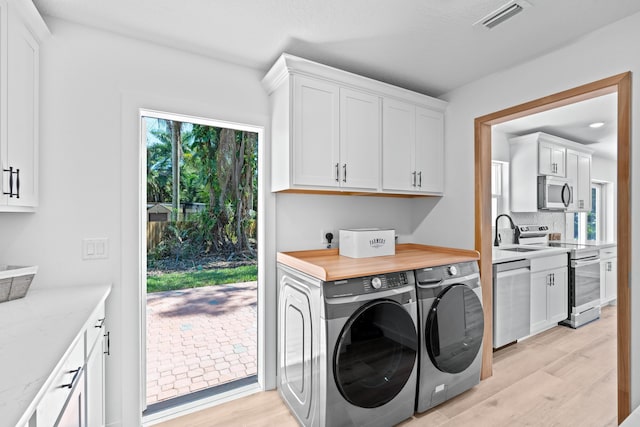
(608, 275)
(551, 159)
(327, 133)
(76, 396)
(549, 292)
(539, 154)
(359, 140)
(21, 30)
(579, 175)
(412, 148)
(315, 133)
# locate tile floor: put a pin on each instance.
(199, 338)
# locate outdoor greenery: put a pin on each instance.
(196, 279)
(215, 167)
(208, 177)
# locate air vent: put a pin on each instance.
(504, 13)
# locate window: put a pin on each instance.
(590, 225)
(499, 188)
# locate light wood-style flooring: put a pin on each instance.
(562, 377)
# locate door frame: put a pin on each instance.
(620, 83)
(265, 319)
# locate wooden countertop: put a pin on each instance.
(329, 265)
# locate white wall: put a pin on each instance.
(603, 53)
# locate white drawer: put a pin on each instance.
(549, 262)
(95, 328)
(57, 394)
(608, 253)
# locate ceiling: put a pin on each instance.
(429, 46)
(572, 122)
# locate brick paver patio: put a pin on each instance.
(199, 338)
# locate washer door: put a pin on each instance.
(375, 354)
(454, 328)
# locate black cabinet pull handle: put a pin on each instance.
(337, 172)
(414, 178)
(76, 373)
(344, 169)
(108, 337)
(12, 172)
(420, 179)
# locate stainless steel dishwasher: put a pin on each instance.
(511, 301)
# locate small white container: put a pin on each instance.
(367, 242)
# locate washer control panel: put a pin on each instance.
(368, 284)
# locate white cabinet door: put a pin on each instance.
(22, 116)
(95, 385)
(359, 140)
(608, 280)
(582, 194)
(429, 151)
(315, 142)
(539, 314)
(398, 145)
(551, 159)
(558, 295)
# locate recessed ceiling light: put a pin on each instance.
(596, 125)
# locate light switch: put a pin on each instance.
(97, 248)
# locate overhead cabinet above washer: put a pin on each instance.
(337, 132)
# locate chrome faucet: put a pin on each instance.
(516, 230)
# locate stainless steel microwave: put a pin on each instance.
(554, 193)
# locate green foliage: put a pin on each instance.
(197, 279)
(218, 167)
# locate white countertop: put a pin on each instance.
(37, 331)
(500, 255)
(601, 244)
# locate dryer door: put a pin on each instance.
(454, 328)
(375, 354)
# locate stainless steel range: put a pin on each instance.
(584, 284)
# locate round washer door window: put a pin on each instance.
(454, 328)
(375, 354)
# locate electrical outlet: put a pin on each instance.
(324, 240)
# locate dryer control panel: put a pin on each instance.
(369, 284)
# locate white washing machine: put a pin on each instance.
(348, 350)
(451, 330)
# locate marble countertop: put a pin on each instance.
(501, 254)
(601, 244)
(37, 332)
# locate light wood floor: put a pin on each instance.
(562, 377)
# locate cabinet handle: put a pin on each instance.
(11, 174)
(553, 279)
(108, 337)
(344, 173)
(76, 373)
(414, 178)
(337, 172)
(100, 323)
(420, 179)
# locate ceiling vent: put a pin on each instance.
(502, 14)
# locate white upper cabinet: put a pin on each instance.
(359, 140)
(579, 174)
(412, 147)
(337, 132)
(539, 154)
(551, 159)
(315, 132)
(21, 29)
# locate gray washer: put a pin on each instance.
(347, 350)
(451, 329)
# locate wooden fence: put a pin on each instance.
(154, 233)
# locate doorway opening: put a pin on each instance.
(620, 84)
(201, 287)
